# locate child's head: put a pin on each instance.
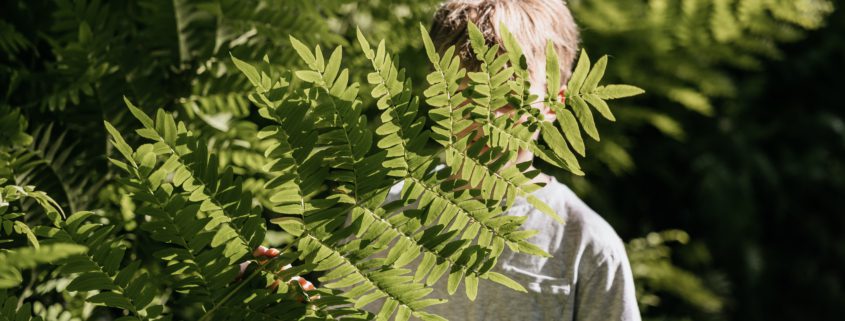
(532, 22)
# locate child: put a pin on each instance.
(588, 276)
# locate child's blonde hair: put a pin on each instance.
(532, 22)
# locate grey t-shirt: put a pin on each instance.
(588, 276)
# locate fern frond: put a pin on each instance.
(12, 221)
(489, 91)
(178, 222)
(377, 227)
(343, 130)
(401, 131)
(11, 193)
(466, 218)
(444, 93)
(345, 133)
(452, 122)
(517, 135)
(99, 269)
(209, 227)
(583, 89)
(195, 170)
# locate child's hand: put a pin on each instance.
(262, 254)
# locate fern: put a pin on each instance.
(445, 225)
(324, 178)
(17, 221)
(9, 223)
(205, 218)
(210, 226)
(99, 269)
(435, 191)
(582, 90)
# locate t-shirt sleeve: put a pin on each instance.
(608, 292)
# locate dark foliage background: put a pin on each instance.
(758, 186)
(739, 141)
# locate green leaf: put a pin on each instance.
(454, 280)
(111, 299)
(471, 284)
(77, 218)
(476, 39)
(91, 281)
(248, 70)
(333, 66)
(558, 145)
(291, 225)
(543, 207)
(512, 48)
(552, 72)
(120, 143)
(303, 52)
(617, 91)
(601, 106)
(430, 51)
(585, 116)
(579, 75)
(22, 228)
(139, 114)
(85, 34)
(365, 45)
(506, 281)
(571, 129)
(309, 76)
(595, 75)
(531, 249)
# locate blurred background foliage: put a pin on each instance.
(739, 141)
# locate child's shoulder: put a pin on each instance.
(584, 228)
(579, 246)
